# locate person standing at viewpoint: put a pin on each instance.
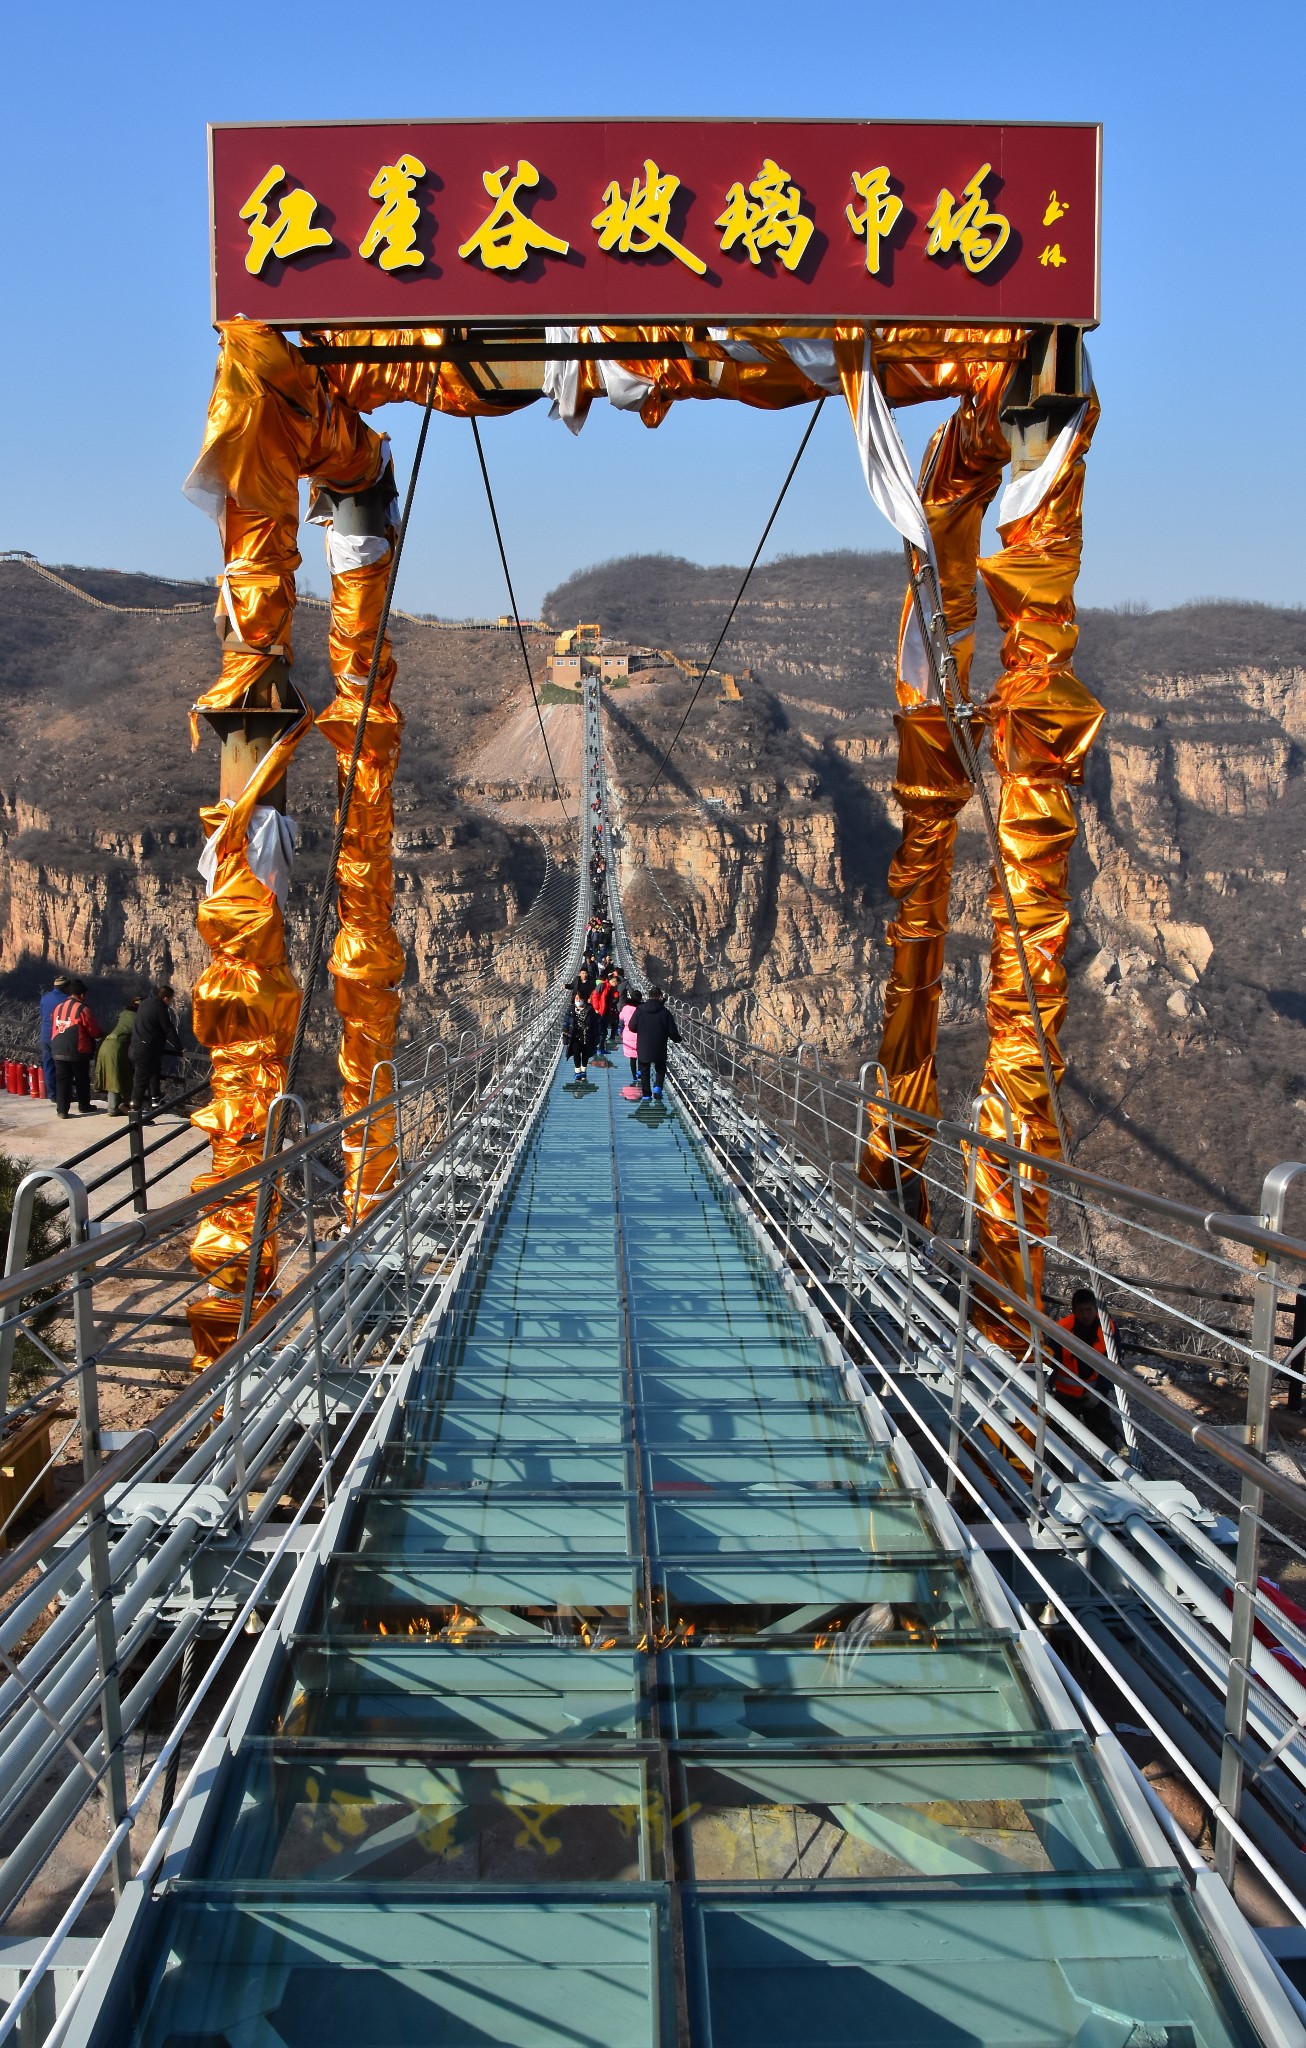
(655, 1030)
(73, 1032)
(113, 1065)
(153, 1034)
(50, 1002)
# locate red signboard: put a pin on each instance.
(419, 223)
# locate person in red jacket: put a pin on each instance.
(1075, 1382)
(600, 1002)
(73, 1032)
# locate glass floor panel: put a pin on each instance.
(474, 1356)
(479, 1424)
(869, 1601)
(1096, 1963)
(770, 1820)
(535, 1469)
(574, 1388)
(657, 1356)
(726, 1265)
(291, 1817)
(651, 1325)
(441, 1694)
(862, 1466)
(721, 1378)
(561, 1327)
(754, 1422)
(308, 1973)
(406, 1524)
(887, 1693)
(795, 1524)
(452, 1600)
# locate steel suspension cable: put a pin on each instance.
(710, 663)
(516, 617)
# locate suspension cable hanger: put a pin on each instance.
(516, 617)
(710, 663)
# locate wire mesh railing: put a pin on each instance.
(1177, 1503)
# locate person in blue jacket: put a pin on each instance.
(50, 1002)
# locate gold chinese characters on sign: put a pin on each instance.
(507, 236)
(968, 224)
(880, 212)
(394, 231)
(637, 224)
(768, 216)
(292, 232)
(765, 218)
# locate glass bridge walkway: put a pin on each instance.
(653, 1699)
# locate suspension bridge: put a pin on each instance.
(620, 1596)
(627, 1572)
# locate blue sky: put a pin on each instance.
(1195, 476)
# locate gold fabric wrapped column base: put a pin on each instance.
(367, 960)
(932, 787)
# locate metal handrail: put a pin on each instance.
(1236, 1229)
(189, 1208)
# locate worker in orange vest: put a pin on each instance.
(1078, 1383)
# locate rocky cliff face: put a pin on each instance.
(755, 874)
(99, 795)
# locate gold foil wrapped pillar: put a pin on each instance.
(961, 472)
(271, 420)
(1043, 722)
(367, 960)
(931, 788)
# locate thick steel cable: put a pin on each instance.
(708, 666)
(516, 617)
(318, 942)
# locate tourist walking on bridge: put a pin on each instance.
(655, 1030)
(580, 1032)
(627, 1013)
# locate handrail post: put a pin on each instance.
(1027, 1275)
(136, 1160)
(1260, 1387)
(900, 1190)
(854, 1201)
(793, 1152)
(97, 1520)
(963, 1308)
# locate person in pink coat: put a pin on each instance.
(630, 1002)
